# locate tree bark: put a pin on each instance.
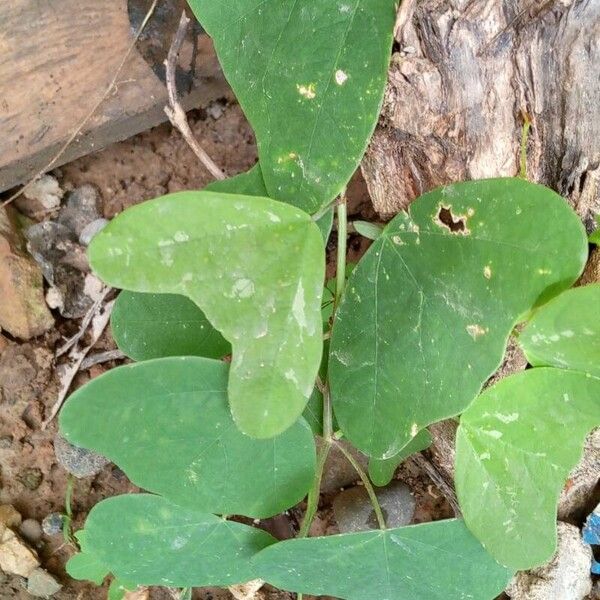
(465, 76)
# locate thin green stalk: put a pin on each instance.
(312, 502)
(340, 276)
(364, 478)
(524, 138)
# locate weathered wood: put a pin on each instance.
(57, 58)
(465, 74)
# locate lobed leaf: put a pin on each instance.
(565, 333)
(434, 561)
(381, 470)
(428, 310)
(172, 433)
(310, 76)
(146, 540)
(254, 266)
(147, 326)
(515, 447)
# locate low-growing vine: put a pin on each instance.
(406, 338)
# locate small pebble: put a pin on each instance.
(41, 584)
(9, 516)
(82, 207)
(6, 442)
(53, 524)
(31, 530)
(78, 461)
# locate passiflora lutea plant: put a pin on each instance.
(420, 325)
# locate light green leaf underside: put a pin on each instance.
(427, 312)
(254, 266)
(381, 471)
(147, 326)
(515, 447)
(146, 540)
(434, 561)
(565, 333)
(369, 230)
(166, 423)
(310, 76)
(251, 183)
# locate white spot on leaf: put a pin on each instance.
(340, 77)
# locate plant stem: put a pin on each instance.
(68, 520)
(340, 276)
(312, 502)
(364, 478)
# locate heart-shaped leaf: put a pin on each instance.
(565, 333)
(146, 540)
(428, 310)
(172, 433)
(310, 76)
(84, 565)
(254, 266)
(434, 561)
(149, 326)
(515, 446)
(381, 470)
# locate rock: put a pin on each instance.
(90, 230)
(23, 312)
(6, 441)
(41, 196)
(31, 478)
(565, 577)
(31, 531)
(16, 558)
(83, 206)
(353, 511)
(41, 584)
(582, 481)
(78, 461)
(9, 516)
(53, 524)
(247, 591)
(338, 472)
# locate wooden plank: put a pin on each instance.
(57, 58)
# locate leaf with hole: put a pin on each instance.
(149, 326)
(515, 447)
(381, 470)
(172, 433)
(254, 266)
(310, 76)
(565, 333)
(433, 561)
(428, 310)
(149, 541)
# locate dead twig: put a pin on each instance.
(90, 114)
(174, 110)
(423, 463)
(101, 357)
(76, 356)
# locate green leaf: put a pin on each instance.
(166, 423)
(149, 326)
(118, 589)
(252, 183)
(428, 310)
(85, 566)
(371, 231)
(381, 471)
(515, 447)
(310, 76)
(565, 333)
(146, 540)
(254, 266)
(434, 561)
(595, 237)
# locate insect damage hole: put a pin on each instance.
(456, 224)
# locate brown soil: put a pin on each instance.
(146, 166)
